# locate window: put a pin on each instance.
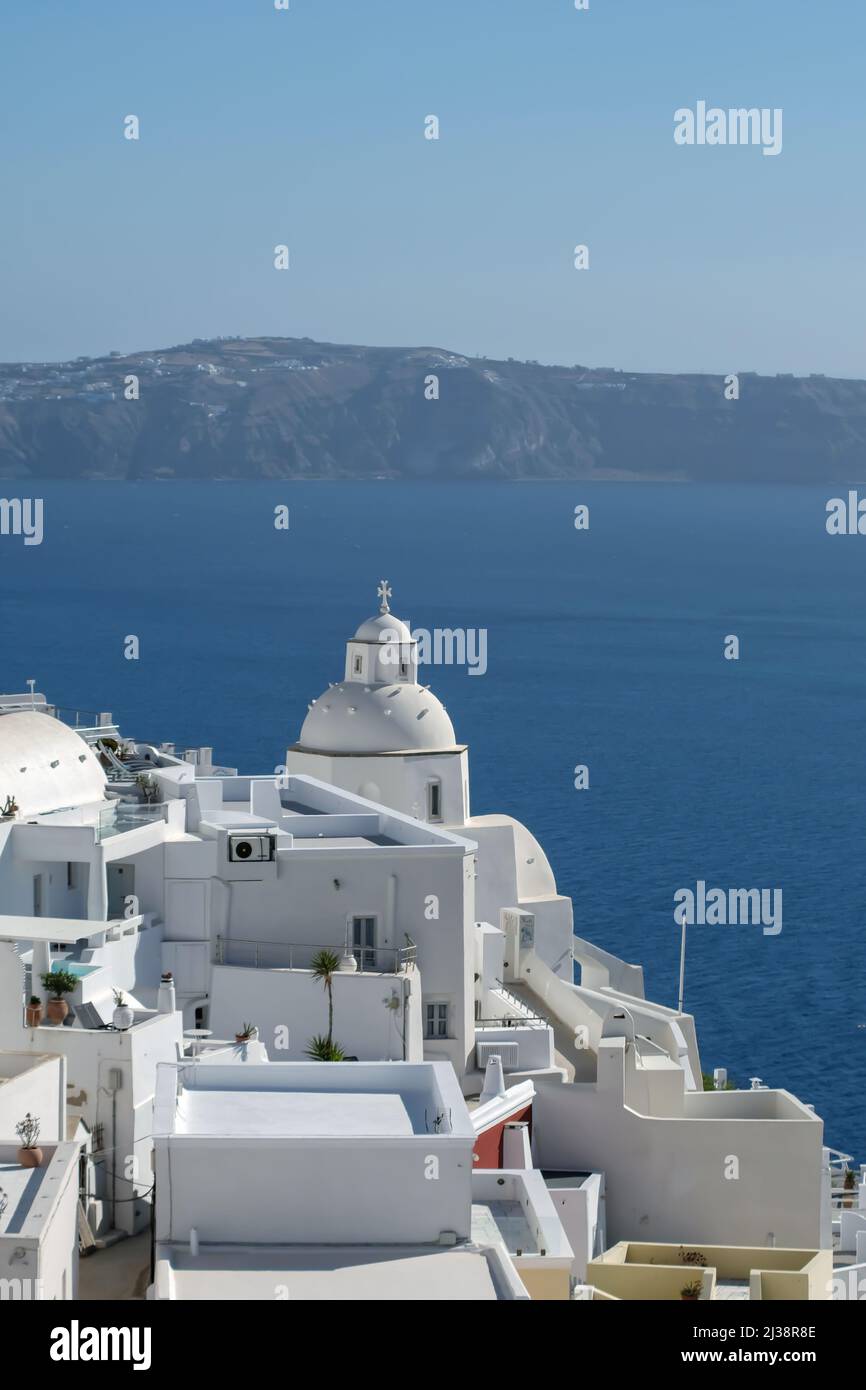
(71, 875)
(358, 665)
(436, 1020)
(434, 800)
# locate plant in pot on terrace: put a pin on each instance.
(29, 1154)
(58, 982)
(248, 1032)
(148, 786)
(324, 966)
(123, 1016)
(849, 1183)
(34, 1011)
(692, 1292)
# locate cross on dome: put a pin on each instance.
(384, 592)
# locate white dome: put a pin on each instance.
(383, 628)
(45, 765)
(355, 718)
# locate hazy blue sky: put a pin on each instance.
(306, 127)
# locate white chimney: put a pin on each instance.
(516, 1152)
(494, 1081)
(165, 1000)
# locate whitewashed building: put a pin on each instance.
(325, 1181)
(124, 862)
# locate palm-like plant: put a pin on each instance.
(324, 1050)
(324, 966)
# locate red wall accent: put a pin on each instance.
(488, 1146)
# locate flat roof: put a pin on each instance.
(331, 1273)
(284, 1100)
(65, 929)
(33, 1192)
(330, 1114)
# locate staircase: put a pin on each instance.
(572, 1060)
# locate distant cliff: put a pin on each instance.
(294, 408)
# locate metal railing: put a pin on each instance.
(510, 1021)
(293, 955)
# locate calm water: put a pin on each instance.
(605, 648)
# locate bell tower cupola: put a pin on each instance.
(382, 651)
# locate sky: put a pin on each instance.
(261, 127)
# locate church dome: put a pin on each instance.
(379, 707)
(383, 628)
(353, 718)
(45, 765)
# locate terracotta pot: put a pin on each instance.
(30, 1158)
(57, 1010)
(690, 1297)
(34, 1014)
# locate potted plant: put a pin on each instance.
(690, 1293)
(148, 786)
(248, 1032)
(849, 1183)
(10, 809)
(325, 964)
(123, 1016)
(29, 1154)
(34, 1011)
(58, 982)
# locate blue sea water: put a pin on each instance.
(605, 648)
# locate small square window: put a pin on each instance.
(436, 1020)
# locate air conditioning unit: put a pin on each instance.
(508, 1051)
(251, 849)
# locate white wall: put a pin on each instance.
(40, 1258)
(398, 780)
(34, 1084)
(91, 1056)
(667, 1177)
(312, 1192)
(300, 904)
(267, 1187)
(289, 1006)
(580, 1209)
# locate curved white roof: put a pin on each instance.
(45, 765)
(372, 630)
(356, 718)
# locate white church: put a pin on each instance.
(202, 899)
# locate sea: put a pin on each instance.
(608, 648)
